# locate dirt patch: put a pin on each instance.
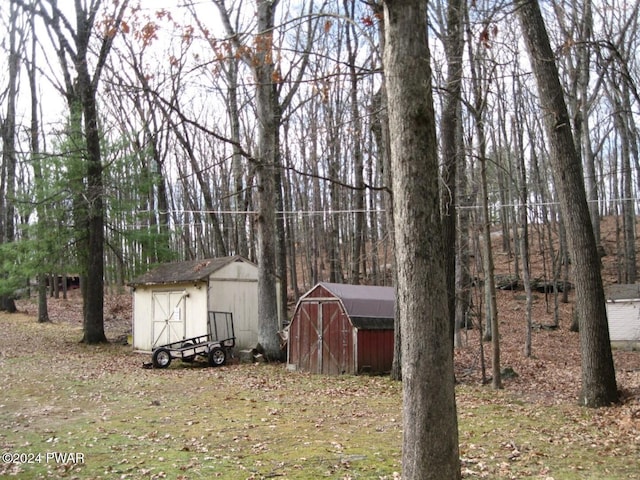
(117, 312)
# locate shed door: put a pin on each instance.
(168, 317)
(322, 339)
(336, 341)
(305, 346)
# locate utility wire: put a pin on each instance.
(378, 210)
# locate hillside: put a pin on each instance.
(551, 375)
(533, 428)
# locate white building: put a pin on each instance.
(170, 303)
(623, 313)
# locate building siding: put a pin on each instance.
(375, 351)
(224, 284)
(624, 320)
(323, 338)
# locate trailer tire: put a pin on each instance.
(189, 358)
(217, 357)
(161, 358)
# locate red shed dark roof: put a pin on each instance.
(365, 301)
(339, 328)
(188, 271)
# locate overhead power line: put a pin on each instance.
(366, 210)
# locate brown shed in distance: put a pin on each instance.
(340, 329)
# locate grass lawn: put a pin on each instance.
(73, 411)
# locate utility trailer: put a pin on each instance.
(215, 346)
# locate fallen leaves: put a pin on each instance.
(262, 421)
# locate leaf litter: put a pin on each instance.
(262, 421)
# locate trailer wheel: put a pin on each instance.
(161, 358)
(188, 358)
(217, 357)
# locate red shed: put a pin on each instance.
(340, 328)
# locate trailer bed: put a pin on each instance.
(215, 346)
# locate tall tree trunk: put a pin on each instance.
(81, 98)
(291, 236)
(454, 44)
(524, 227)
(598, 374)
(582, 124)
(94, 283)
(478, 112)
(463, 276)
(281, 232)
(267, 109)
(240, 231)
(334, 160)
(489, 281)
(316, 222)
(383, 139)
(617, 97)
(34, 134)
(430, 428)
(8, 210)
(358, 160)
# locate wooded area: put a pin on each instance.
(135, 134)
(190, 171)
(180, 167)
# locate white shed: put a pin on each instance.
(170, 302)
(623, 313)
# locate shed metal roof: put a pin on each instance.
(187, 271)
(630, 291)
(364, 301)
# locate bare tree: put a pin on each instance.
(451, 151)
(9, 160)
(34, 143)
(351, 39)
(74, 48)
(598, 373)
(148, 129)
(481, 74)
(269, 106)
(430, 438)
(523, 220)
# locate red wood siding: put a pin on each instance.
(375, 351)
(323, 339)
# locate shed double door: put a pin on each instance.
(168, 317)
(326, 339)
